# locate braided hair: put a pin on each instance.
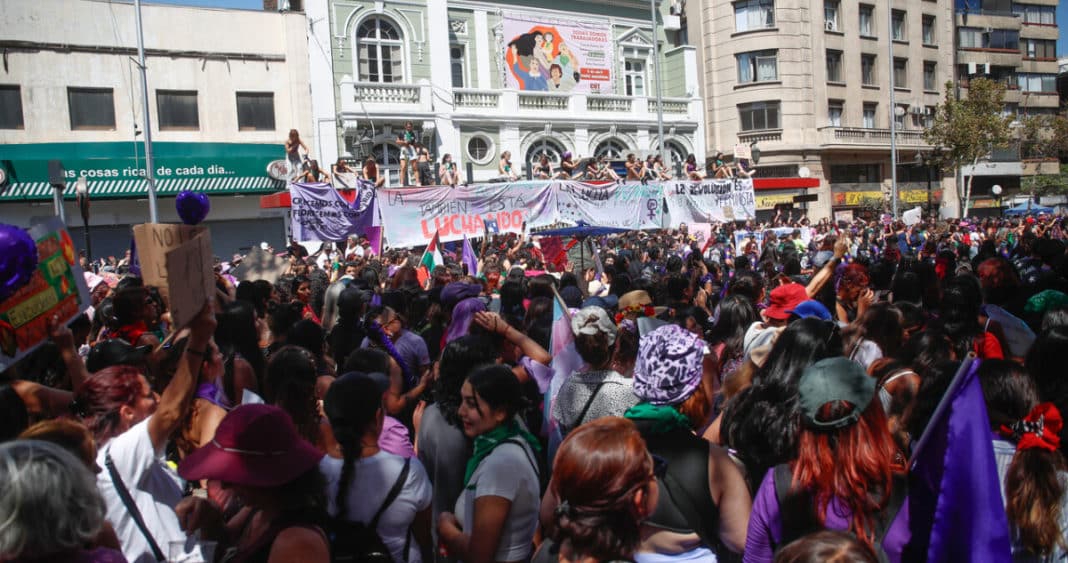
(353, 404)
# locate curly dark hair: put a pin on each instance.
(460, 358)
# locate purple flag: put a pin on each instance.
(318, 212)
(469, 258)
(135, 260)
(955, 507)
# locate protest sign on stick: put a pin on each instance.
(191, 278)
(153, 241)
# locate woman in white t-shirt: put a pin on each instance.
(131, 425)
(497, 512)
(358, 487)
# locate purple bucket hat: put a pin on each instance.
(669, 365)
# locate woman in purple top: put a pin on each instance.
(843, 477)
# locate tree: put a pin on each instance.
(968, 128)
(1044, 137)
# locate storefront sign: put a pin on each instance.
(765, 201)
(550, 55)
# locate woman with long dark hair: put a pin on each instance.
(238, 340)
(359, 485)
(842, 477)
(727, 337)
(959, 317)
(290, 385)
(877, 333)
(497, 512)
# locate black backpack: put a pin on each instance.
(799, 512)
(357, 542)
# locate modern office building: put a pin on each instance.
(811, 84)
(1014, 43)
(478, 79)
(224, 89)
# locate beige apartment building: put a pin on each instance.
(815, 84)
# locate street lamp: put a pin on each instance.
(929, 161)
(996, 190)
(81, 188)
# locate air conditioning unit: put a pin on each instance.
(831, 25)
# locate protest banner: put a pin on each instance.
(319, 213)
(259, 264)
(742, 150)
(56, 288)
(411, 216)
(743, 238)
(153, 241)
(710, 201)
(632, 206)
(191, 278)
(701, 233)
(559, 55)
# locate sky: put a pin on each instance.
(1062, 14)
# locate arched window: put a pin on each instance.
(611, 149)
(544, 146)
(388, 158)
(675, 154)
(379, 46)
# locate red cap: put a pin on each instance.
(784, 299)
(255, 446)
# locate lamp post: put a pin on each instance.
(82, 189)
(659, 96)
(996, 190)
(929, 161)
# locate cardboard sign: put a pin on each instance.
(56, 288)
(192, 278)
(153, 241)
(742, 150)
(701, 233)
(259, 264)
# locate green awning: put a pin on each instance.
(117, 189)
(116, 169)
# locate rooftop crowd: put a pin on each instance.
(644, 396)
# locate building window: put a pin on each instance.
(480, 149)
(869, 115)
(255, 111)
(634, 77)
(1039, 48)
(547, 147)
(10, 107)
(91, 108)
(867, 70)
(610, 149)
(676, 154)
(458, 64)
(930, 82)
(759, 115)
(1031, 13)
(388, 158)
(928, 30)
(867, 20)
(378, 47)
(830, 15)
(754, 14)
(177, 109)
(855, 173)
(897, 26)
(901, 76)
(1029, 82)
(977, 38)
(928, 116)
(758, 66)
(834, 113)
(834, 66)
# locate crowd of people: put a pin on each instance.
(648, 397)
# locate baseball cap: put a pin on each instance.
(784, 299)
(115, 352)
(811, 308)
(830, 380)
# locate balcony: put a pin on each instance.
(469, 98)
(670, 106)
(766, 135)
(375, 93)
(608, 103)
(542, 101)
(857, 136)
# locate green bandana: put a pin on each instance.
(665, 417)
(486, 443)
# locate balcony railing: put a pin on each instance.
(529, 100)
(670, 106)
(376, 93)
(475, 98)
(608, 103)
(863, 136)
(760, 136)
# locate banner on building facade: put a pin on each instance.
(411, 216)
(631, 206)
(550, 55)
(710, 201)
(320, 213)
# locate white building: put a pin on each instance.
(225, 87)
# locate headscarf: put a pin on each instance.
(669, 365)
(592, 321)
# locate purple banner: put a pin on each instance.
(320, 213)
